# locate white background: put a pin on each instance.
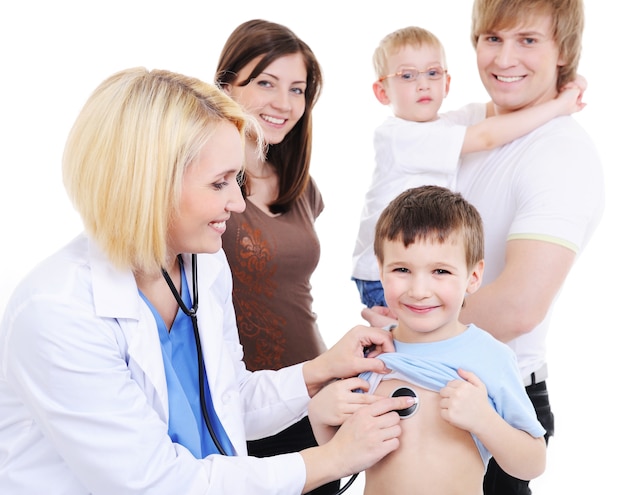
(54, 54)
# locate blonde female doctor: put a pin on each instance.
(120, 366)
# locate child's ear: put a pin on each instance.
(475, 277)
(380, 92)
(447, 89)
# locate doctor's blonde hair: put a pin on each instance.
(125, 156)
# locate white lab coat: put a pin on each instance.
(83, 395)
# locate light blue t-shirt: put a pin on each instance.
(432, 365)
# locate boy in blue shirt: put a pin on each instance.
(471, 400)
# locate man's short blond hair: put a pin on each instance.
(568, 21)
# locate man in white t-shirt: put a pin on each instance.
(541, 197)
(418, 145)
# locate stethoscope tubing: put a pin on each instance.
(192, 313)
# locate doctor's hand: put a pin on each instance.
(335, 403)
(365, 438)
(347, 359)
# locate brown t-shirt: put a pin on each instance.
(272, 260)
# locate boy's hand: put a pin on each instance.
(580, 82)
(464, 403)
(570, 99)
(571, 94)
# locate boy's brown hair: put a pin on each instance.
(431, 213)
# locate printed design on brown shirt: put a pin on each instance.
(260, 329)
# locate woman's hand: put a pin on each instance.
(365, 438)
(335, 403)
(347, 359)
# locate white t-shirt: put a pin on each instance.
(547, 185)
(408, 154)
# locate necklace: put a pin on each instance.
(192, 313)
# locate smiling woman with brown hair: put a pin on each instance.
(272, 247)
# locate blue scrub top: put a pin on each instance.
(178, 346)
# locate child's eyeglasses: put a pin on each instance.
(411, 74)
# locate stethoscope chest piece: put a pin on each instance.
(407, 392)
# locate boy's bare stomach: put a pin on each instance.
(434, 458)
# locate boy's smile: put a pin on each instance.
(425, 284)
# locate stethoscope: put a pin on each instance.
(193, 314)
(403, 413)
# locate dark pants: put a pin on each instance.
(297, 437)
(496, 481)
(371, 292)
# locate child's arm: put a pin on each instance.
(464, 404)
(501, 129)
